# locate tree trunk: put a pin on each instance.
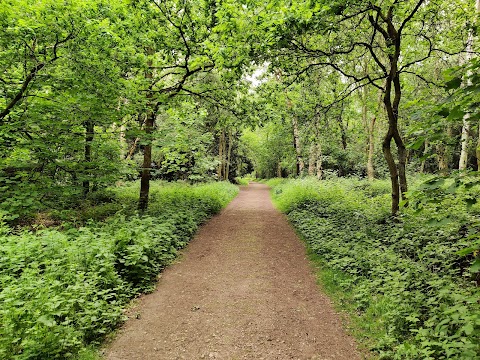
(442, 159)
(343, 131)
(462, 164)
(371, 149)
(319, 162)
(392, 168)
(229, 156)
(300, 165)
(312, 159)
(89, 134)
(477, 150)
(279, 169)
(32, 74)
(297, 146)
(123, 141)
(147, 150)
(371, 140)
(147, 163)
(221, 155)
(397, 172)
(425, 152)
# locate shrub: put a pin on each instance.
(63, 290)
(429, 300)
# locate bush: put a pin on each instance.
(429, 302)
(63, 290)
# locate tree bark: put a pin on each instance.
(229, 155)
(371, 139)
(89, 135)
(462, 164)
(21, 92)
(425, 152)
(312, 159)
(319, 167)
(371, 149)
(392, 168)
(442, 159)
(147, 150)
(221, 155)
(477, 150)
(147, 163)
(300, 165)
(343, 131)
(297, 146)
(397, 172)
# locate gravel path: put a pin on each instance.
(242, 290)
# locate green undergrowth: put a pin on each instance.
(408, 284)
(62, 290)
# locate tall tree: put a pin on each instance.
(330, 34)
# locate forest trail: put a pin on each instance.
(243, 289)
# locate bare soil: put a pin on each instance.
(243, 289)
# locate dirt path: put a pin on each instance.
(243, 290)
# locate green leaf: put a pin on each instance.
(454, 83)
(417, 144)
(47, 321)
(475, 266)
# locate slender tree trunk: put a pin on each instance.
(147, 163)
(296, 133)
(401, 150)
(147, 150)
(312, 159)
(392, 168)
(89, 135)
(477, 150)
(32, 74)
(123, 141)
(319, 167)
(343, 131)
(132, 149)
(371, 149)
(425, 152)
(229, 155)
(397, 173)
(364, 119)
(279, 169)
(442, 159)
(371, 140)
(462, 164)
(297, 146)
(221, 155)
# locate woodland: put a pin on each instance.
(126, 124)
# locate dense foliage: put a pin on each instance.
(97, 93)
(62, 289)
(413, 275)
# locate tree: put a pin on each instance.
(330, 34)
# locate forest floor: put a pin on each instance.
(243, 289)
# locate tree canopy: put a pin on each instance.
(94, 92)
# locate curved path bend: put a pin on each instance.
(243, 289)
